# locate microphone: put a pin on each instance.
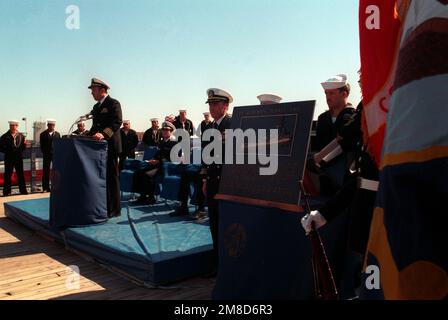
(87, 116)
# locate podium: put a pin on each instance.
(264, 253)
(78, 196)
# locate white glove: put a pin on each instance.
(315, 217)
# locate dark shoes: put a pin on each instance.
(181, 211)
(21, 192)
(143, 201)
(114, 215)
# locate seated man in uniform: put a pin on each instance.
(190, 175)
(144, 178)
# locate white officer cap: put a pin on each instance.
(335, 82)
(126, 121)
(168, 125)
(16, 122)
(182, 110)
(154, 119)
(269, 98)
(215, 94)
(206, 113)
(51, 121)
(98, 83)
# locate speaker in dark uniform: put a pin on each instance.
(107, 120)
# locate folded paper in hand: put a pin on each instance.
(328, 153)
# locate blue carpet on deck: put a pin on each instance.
(149, 245)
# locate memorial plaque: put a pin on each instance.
(244, 183)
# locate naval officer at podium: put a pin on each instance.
(107, 120)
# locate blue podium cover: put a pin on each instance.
(264, 253)
(78, 195)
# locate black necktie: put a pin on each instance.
(16, 140)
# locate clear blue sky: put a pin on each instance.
(161, 55)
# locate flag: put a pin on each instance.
(408, 236)
(380, 26)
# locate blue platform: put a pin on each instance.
(144, 243)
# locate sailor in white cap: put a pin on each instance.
(337, 91)
(182, 122)
(206, 122)
(46, 146)
(170, 118)
(81, 128)
(129, 141)
(106, 122)
(13, 144)
(152, 136)
(269, 99)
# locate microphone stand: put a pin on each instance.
(81, 118)
(324, 284)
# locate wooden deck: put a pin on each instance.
(32, 267)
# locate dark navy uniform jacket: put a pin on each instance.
(359, 202)
(212, 172)
(129, 142)
(163, 154)
(188, 125)
(12, 149)
(46, 142)
(107, 119)
(151, 139)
